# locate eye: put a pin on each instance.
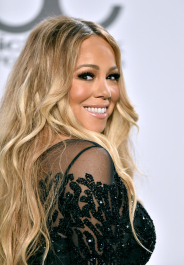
(86, 76)
(114, 77)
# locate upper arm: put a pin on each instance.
(90, 205)
(96, 162)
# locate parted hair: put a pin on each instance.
(34, 111)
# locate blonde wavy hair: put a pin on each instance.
(34, 111)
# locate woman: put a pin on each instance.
(66, 173)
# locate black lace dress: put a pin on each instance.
(89, 222)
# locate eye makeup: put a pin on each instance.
(113, 77)
(86, 75)
(89, 76)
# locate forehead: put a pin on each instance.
(95, 49)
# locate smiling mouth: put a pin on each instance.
(96, 110)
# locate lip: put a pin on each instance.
(97, 106)
(97, 115)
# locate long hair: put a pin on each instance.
(34, 111)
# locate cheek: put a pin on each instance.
(78, 93)
(115, 94)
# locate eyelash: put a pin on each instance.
(115, 76)
(86, 74)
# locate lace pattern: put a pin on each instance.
(90, 223)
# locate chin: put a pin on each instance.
(98, 130)
(98, 127)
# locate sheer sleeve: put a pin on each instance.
(90, 220)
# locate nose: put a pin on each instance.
(102, 90)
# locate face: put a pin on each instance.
(94, 90)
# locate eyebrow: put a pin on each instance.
(95, 66)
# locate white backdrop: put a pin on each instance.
(151, 37)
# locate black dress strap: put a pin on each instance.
(75, 158)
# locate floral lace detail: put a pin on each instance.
(89, 220)
(108, 240)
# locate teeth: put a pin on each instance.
(96, 110)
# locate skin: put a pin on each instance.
(95, 83)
